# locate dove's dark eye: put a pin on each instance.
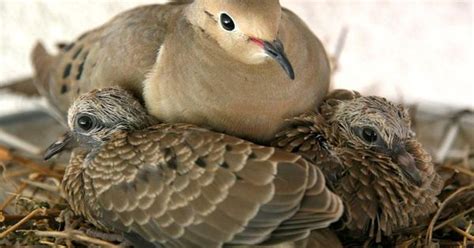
(227, 22)
(369, 135)
(86, 122)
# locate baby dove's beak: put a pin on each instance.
(58, 146)
(276, 50)
(408, 165)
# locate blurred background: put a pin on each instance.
(408, 50)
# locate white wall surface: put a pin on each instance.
(407, 50)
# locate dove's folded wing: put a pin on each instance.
(177, 185)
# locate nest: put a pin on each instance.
(32, 211)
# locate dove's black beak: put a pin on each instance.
(408, 166)
(276, 50)
(58, 146)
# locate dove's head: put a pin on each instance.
(377, 133)
(246, 29)
(95, 116)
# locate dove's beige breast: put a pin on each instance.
(197, 82)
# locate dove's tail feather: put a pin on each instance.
(23, 86)
(42, 62)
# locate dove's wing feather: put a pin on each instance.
(120, 52)
(182, 186)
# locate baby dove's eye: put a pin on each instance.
(227, 22)
(369, 134)
(86, 122)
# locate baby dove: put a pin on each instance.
(371, 159)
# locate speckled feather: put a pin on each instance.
(378, 195)
(177, 185)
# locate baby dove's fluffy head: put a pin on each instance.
(97, 114)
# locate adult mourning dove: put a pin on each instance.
(371, 159)
(177, 185)
(223, 64)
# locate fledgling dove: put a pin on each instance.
(371, 159)
(178, 185)
(223, 64)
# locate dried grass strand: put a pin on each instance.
(45, 242)
(462, 232)
(460, 169)
(429, 232)
(43, 186)
(17, 192)
(41, 211)
(444, 223)
(6, 155)
(50, 213)
(76, 236)
(468, 230)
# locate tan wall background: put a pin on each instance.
(407, 50)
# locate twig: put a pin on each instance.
(462, 232)
(75, 235)
(41, 211)
(17, 173)
(50, 213)
(460, 169)
(444, 223)
(468, 230)
(44, 186)
(7, 155)
(18, 143)
(36, 167)
(429, 232)
(45, 242)
(18, 192)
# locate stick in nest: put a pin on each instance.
(18, 192)
(50, 213)
(76, 236)
(468, 230)
(465, 234)
(459, 168)
(429, 232)
(6, 155)
(41, 211)
(43, 186)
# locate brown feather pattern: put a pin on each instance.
(378, 195)
(178, 185)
